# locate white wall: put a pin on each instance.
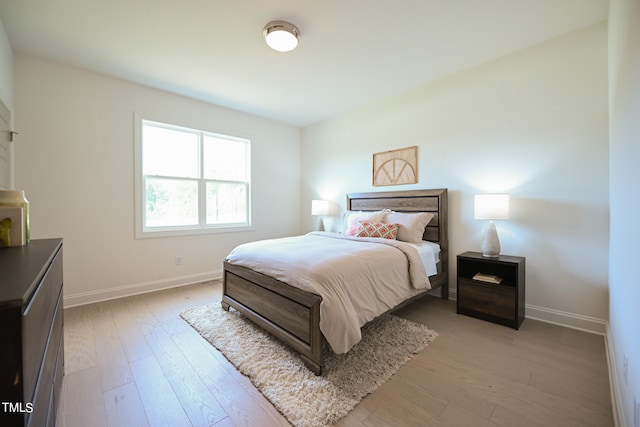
(624, 97)
(6, 69)
(75, 161)
(6, 101)
(533, 124)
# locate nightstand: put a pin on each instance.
(501, 302)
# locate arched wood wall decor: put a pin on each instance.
(395, 167)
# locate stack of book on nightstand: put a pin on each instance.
(487, 278)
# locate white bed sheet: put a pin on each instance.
(357, 278)
(430, 254)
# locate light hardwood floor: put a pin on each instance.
(135, 362)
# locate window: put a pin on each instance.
(190, 181)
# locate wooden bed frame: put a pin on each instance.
(293, 315)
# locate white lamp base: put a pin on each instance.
(490, 245)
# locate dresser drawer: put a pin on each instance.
(37, 323)
(57, 380)
(43, 395)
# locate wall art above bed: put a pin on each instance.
(395, 167)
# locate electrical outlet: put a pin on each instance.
(179, 262)
(625, 368)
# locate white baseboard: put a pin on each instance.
(569, 320)
(90, 297)
(616, 400)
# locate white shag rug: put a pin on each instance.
(278, 372)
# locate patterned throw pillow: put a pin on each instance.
(377, 229)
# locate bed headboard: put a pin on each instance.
(409, 201)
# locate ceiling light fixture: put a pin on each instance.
(281, 36)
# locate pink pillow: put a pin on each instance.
(377, 229)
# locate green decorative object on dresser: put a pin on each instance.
(5, 231)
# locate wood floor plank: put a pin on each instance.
(578, 390)
(133, 343)
(479, 353)
(225, 422)
(457, 416)
(371, 421)
(246, 408)
(438, 384)
(79, 342)
(401, 412)
(408, 390)
(357, 418)
(504, 416)
(124, 407)
(569, 361)
(166, 306)
(144, 318)
(112, 362)
(84, 405)
(201, 406)
(160, 403)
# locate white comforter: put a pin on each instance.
(357, 278)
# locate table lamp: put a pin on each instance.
(320, 208)
(491, 207)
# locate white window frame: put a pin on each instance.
(141, 231)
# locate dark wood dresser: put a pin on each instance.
(31, 355)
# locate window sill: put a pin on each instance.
(191, 232)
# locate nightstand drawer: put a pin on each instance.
(493, 300)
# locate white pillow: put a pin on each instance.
(350, 220)
(410, 225)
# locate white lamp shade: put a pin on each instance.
(491, 206)
(319, 207)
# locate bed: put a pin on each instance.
(293, 315)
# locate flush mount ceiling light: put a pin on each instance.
(281, 36)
